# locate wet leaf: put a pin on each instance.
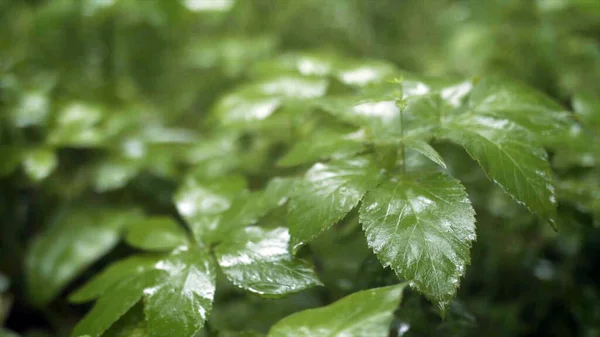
(367, 313)
(177, 288)
(508, 155)
(156, 233)
(327, 192)
(422, 226)
(521, 104)
(380, 116)
(179, 303)
(259, 261)
(113, 304)
(74, 241)
(134, 266)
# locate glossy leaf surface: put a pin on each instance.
(180, 302)
(115, 303)
(422, 226)
(327, 192)
(508, 155)
(521, 104)
(135, 266)
(259, 261)
(367, 313)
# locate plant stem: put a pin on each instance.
(402, 150)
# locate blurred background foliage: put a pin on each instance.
(106, 105)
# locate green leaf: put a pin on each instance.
(259, 261)
(132, 324)
(248, 208)
(508, 155)
(179, 304)
(157, 233)
(422, 226)
(178, 290)
(380, 116)
(366, 313)
(74, 241)
(327, 192)
(134, 266)
(425, 149)
(39, 163)
(521, 104)
(202, 203)
(324, 146)
(114, 303)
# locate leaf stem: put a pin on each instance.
(402, 149)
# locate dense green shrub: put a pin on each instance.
(300, 168)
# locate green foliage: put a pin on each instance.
(365, 313)
(206, 168)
